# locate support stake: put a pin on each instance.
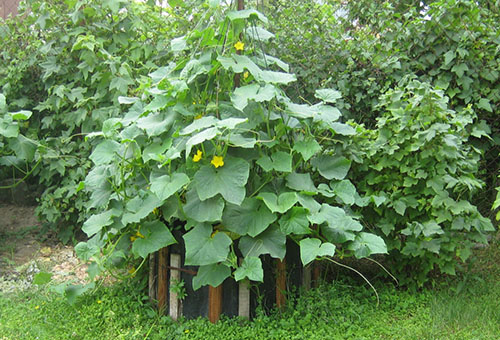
(280, 283)
(244, 297)
(162, 279)
(152, 277)
(175, 306)
(214, 303)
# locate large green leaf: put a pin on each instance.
(252, 217)
(3, 104)
(246, 14)
(139, 207)
(156, 123)
(279, 204)
(279, 161)
(251, 267)
(367, 244)
(85, 250)
(309, 203)
(178, 44)
(199, 124)
(337, 226)
(228, 180)
(240, 141)
(209, 210)
(212, 274)
(327, 114)
(274, 77)
(259, 33)
(342, 129)
(307, 148)
(200, 137)
(20, 115)
(23, 147)
(158, 103)
(282, 161)
(96, 222)
(204, 246)
(165, 186)
(272, 241)
(155, 151)
(295, 222)
(328, 95)
(105, 152)
(156, 236)
(301, 182)
(242, 95)
(332, 167)
(344, 190)
(8, 128)
(310, 248)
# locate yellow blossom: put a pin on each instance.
(186, 331)
(133, 238)
(138, 234)
(217, 161)
(197, 157)
(239, 46)
(131, 270)
(99, 301)
(198, 116)
(37, 307)
(245, 75)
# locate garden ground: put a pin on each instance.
(461, 308)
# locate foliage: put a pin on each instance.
(233, 169)
(422, 169)
(141, 136)
(364, 48)
(68, 62)
(340, 310)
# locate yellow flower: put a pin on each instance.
(239, 46)
(198, 116)
(186, 331)
(245, 75)
(131, 270)
(197, 157)
(99, 301)
(138, 234)
(217, 161)
(37, 307)
(133, 238)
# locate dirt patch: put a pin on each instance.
(18, 230)
(23, 253)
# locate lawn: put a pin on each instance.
(464, 307)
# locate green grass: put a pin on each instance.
(465, 308)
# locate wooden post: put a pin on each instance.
(244, 297)
(162, 279)
(280, 283)
(175, 306)
(214, 303)
(152, 278)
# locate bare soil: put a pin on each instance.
(25, 252)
